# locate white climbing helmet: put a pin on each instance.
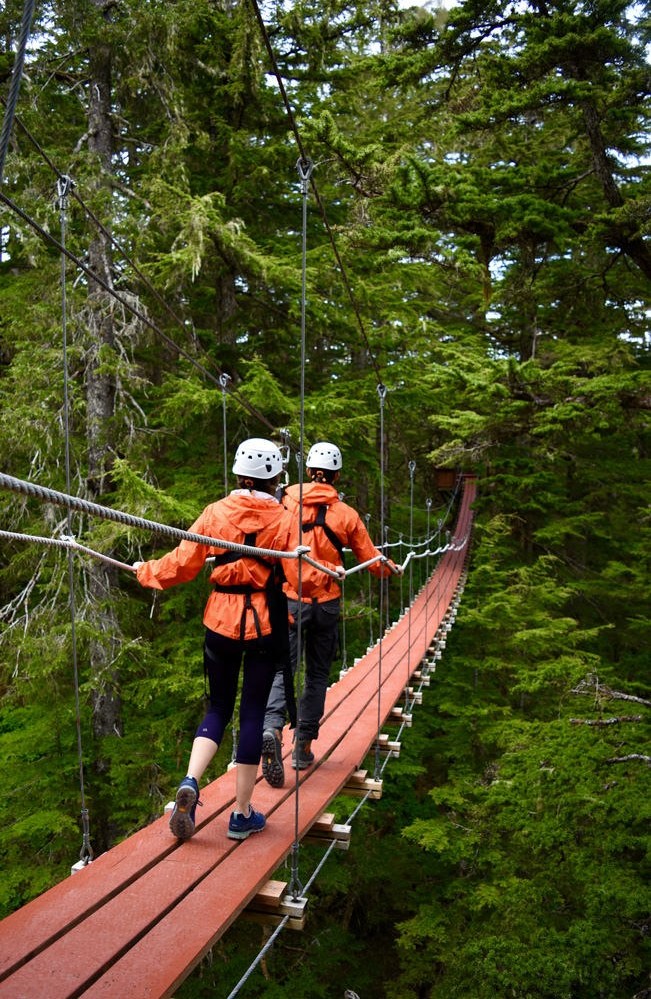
(258, 458)
(324, 455)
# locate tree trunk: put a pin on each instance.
(624, 235)
(100, 401)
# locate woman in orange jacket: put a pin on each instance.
(238, 625)
(328, 524)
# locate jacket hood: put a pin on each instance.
(249, 512)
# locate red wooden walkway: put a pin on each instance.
(136, 921)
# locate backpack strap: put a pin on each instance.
(320, 521)
(233, 556)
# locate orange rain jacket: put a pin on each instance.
(346, 524)
(230, 519)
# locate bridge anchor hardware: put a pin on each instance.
(387, 746)
(325, 830)
(359, 786)
(400, 715)
(414, 696)
(271, 904)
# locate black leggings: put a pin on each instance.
(222, 659)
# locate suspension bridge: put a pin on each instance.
(153, 906)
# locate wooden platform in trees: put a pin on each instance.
(138, 919)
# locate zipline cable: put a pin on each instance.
(16, 77)
(86, 852)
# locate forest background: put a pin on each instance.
(483, 175)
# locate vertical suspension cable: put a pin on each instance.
(412, 470)
(386, 550)
(344, 650)
(367, 518)
(382, 393)
(64, 185)
(224, 379)
(428, 504)
(438, 568)
(305, 166)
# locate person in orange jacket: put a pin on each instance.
(238, 622)
(328, 525)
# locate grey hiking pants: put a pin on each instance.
(320, 636)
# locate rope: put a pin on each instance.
(75, 502)
(16, 77)
(66, 541)
(95, 509)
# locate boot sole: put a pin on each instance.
(273, 770)
(302, 764)
(236, 834)
(181, 822)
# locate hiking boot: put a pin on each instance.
(240, 826)
(302, 758)
(185, 805)
(273, 770)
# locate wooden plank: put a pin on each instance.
(269, 896)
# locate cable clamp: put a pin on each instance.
(305, 166)
(64, 185)
(86, 853)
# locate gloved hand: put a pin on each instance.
(136, 565)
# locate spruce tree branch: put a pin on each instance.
(613, 695)
(629, 757)
(602, 722)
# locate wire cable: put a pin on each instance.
(16, 78)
